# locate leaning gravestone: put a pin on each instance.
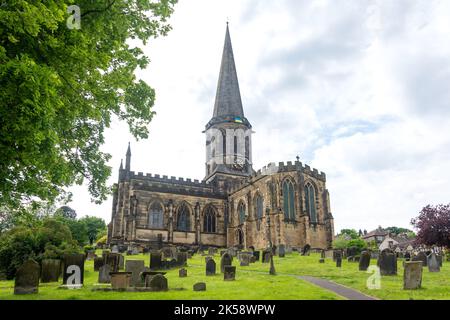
(433, 264)
(226, 260)
(155, 260)
(51, 270)
(412, 275)
(135, 267)
(73, 273)
(229, 273)
(364, 261)
(210, 267)
(104, 274)
(157, 282)
(98, 262)
(27, 278)
(421, 256)
(387, 263)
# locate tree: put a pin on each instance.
(352, 233)
(62, 86)
(397, 230)
(66, 212)
(94, 226)
(433, 225)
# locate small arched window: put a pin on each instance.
(183, 215)
(259, 209)
(241, 212)
(155, 215)
(288, 200)
(209, 220)
(310, 199)
(235, 148)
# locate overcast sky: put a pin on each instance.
(358, 89)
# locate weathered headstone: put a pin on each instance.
(156, 283)
(98, 262)
(226, 260)
(135, 267)
(229, 273)
(27, 278)
(387, 263)
(121, 262)
(115, 249)
(421, 256)
(266, 256)
(211, 251)
(210, 267)
(256, 254)
(199, 286)
(329, 254)
(364, 261)
(245, 260)
(281, 251)
(433, 264)
(51, 270)
(182, 273)
(113, 259)
(155, 260)
(182, 258)
(412, 275)
(439, 259)
(104, 274)
(73, 273)
(322, 260)
(339, 261)
(120, 280)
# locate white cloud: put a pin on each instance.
(359, 90)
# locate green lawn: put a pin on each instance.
(254, 282)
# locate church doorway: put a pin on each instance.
(240, 237)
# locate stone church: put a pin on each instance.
(233, 205)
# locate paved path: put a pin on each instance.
(341, 290)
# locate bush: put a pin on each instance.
(102, 240)
(357, 243)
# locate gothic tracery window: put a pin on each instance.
(310, 199)
(183, 215)
(155, 215)
(259, 209)
(241, 212)
(288, 200)
(209, 220)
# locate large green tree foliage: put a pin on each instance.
(94, 227)
(61, 87)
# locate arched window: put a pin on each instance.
(288, 200)
(247, 148)
(235, 149)
(156, 215)
(259, 208)
(209, 220)
(310, 198)
(183, 218)
(241, 211)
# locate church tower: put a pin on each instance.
(228, 133)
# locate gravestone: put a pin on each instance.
(322, 260)
(135, 267)
(51, 270)
(182, 273)
(98, 262)
(387, 263)
(322, 254)
(211, 251)
(306, 249)
(115, 249)
(120, 280)
(155, 260)
(407, 256)
(329, 254)
(229, 273)
(181, 259)
(226, 260)
(252, 259)
(433, 264)
(27, 278)
(256, 255)
(266, 256)
(207, 258)
(281, 251)
(412, 275)
(439, 259)
(421, 256)
(210, 267)
(199, 286)
(104, 274)
(113, 259)
(73, 273)
(364, 261)
(245, 260)
(356, 258)
(339, 262)
(121, 262)
(156, 282)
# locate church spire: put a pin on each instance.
(128, 159)
(228, 97)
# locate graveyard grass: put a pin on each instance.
(253, 282)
